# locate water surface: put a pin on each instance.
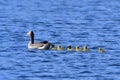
(77, 22)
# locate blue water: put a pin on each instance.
(95, 23)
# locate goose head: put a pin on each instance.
(31, 35)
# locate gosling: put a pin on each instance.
(69, 48)
(53, 47)
(85, 48)
(100, 50)
(77, 48)
(59, 47)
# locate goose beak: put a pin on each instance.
(28, 33)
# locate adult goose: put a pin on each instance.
(38, 45)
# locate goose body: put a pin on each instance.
(38, 45)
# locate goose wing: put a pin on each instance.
(41, 45)
(38, 44)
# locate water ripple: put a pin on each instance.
(92, 23)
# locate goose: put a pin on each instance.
(100, 50)
(37, 45)
(69, 48)
(59, 47)
(85, 48)
(77, 48)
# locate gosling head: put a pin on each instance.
(77, 47)
(59, 46)
(69, 47)
(53, 45)
(85, 47)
